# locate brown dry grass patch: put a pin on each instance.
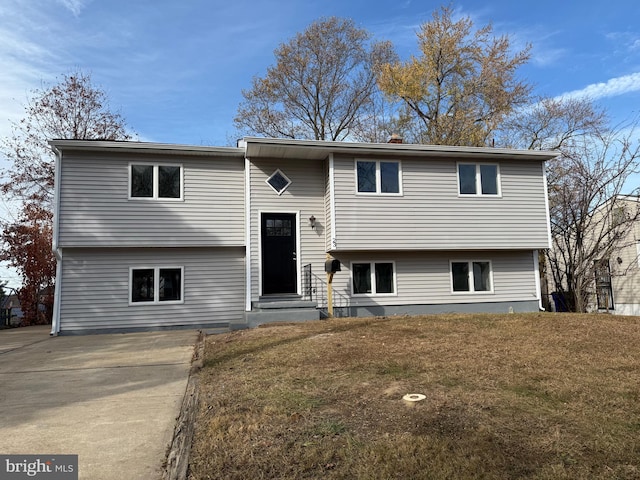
(536, 396)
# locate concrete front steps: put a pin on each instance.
(290, 308)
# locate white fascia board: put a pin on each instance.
(323, 148)
(145, 147)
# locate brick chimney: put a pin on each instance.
(395, 138)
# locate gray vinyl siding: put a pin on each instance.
(305, 195)
(95, 288)
(431, 215)
(424, 278)
(327, 209)
(95, 209)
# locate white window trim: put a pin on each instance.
(156, 285)
(479, 180)
(286, 178)
(155, 196)
(373, 279)
(378, 191)
(471, 290)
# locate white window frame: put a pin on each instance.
(372, 266)
(379, 178)
(278, 171)
(156, 285)
(155, 196)
(479, 180)
(471, 290)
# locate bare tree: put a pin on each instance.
(587, 188)
(321, 87)
(551, 124)
(71, 109)
(461, 86)
(592, 213)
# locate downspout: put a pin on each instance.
(247, 229)
(549, 239)
(536, 271)
(57, 251)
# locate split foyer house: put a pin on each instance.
(151, 235)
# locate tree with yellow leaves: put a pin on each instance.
(461, 86)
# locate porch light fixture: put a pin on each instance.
(312, 222)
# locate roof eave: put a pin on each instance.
(256, 146)
(144, 147)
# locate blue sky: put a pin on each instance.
(175, 69)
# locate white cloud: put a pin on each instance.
(611, 88)
(74, 6)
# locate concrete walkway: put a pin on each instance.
(111, 399)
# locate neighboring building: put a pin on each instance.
(609, 261)
(10, 311)
(152, 235)
(617, 272)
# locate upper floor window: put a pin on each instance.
(478, 179)
(380, 177)
(279, 182)
(155, 181)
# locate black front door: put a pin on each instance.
(279, 264)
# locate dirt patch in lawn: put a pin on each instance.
(542, 396)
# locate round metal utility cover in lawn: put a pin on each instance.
(413, 397)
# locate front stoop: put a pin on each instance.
(281, 309)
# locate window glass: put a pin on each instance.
(278, 182)
(142, 181)
(460, 273)
(389, 177)
(170, 283)
(384, 277)
(467, 178)
(168, 182)
(142, 285)
(361, 278)
(366, 176)
(481, 277)
(489, 179)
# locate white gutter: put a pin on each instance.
(55, 322)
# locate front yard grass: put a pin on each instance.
(535, 396)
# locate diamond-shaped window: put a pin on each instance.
(279, 182)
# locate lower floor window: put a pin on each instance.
(471, 276)
(373, 278)
(157, 284)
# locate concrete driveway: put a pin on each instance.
(111, 399)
